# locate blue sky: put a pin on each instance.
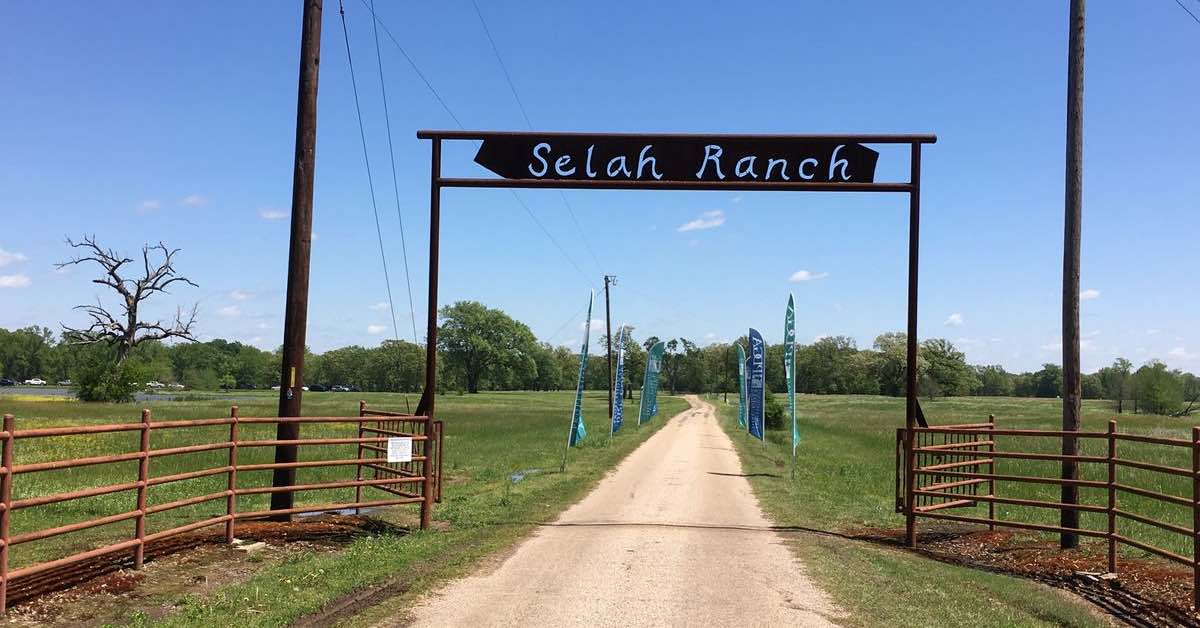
(175, 122)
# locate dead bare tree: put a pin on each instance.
(123, 330)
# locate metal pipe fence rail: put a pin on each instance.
(944, 467)
(411, 482)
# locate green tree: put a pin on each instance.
(481, 343)
(1159, 391)
(948, 368)
(825, 367)
(548, 374)
(1117, 383)
(891, 366)
(396, 366)
(26, 353)
(994, 381)
(1048, 382)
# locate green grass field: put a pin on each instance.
(845, 481)
(489, 437)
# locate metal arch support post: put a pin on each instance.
(914, 244)
(910, 389)
(425, 405)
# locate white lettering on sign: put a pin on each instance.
(645, 161)
(399, 449)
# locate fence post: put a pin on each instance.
(1112, 496)
(362, 411)
(910, 515)
(441, 434)
(1196, 517)
(139, 553)
(992, 472)
(231, 486)
(6, 460)
(427, 473)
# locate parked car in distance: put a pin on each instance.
(66, 382)
(176, 386)
(275, 387)
(339, 389)
(7, 382)
(153, 384)
(317, 388)
(36, 381)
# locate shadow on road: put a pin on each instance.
(745, 475)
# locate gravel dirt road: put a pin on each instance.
(672, 537)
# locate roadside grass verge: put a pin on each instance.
(845, 481)
(503, 452)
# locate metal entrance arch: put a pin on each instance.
(523, 160)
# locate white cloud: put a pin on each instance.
(806, 275)
(8, 257)
(149, 205)
(230, 311)
(1052, 346)
(1181, 353)
(379, 307)
(240, 295)
(14, 281)
(1089, 294)
(263, 325)
(819, 338)
(707, 220)
(1152, 332)
(954, 320)
(272, 214)
(376, 330)
(735, 200)
(194, 200)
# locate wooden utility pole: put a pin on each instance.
(295, 318)
(1070, 302)
(609, 279)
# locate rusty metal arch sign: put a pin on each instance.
(675, 161)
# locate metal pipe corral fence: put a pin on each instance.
(414, 481)
(942, 467)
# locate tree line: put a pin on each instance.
(482, 348)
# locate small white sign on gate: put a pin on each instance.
(399, 449)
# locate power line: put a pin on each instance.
(412, 64)
(525, 114)
(565, 323)
(367, 160)
(412, 314)
(445, 107)
(503, 68)
(1189, 11)
(587, 245)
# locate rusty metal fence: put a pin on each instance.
(416, 481)
(955, 466)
